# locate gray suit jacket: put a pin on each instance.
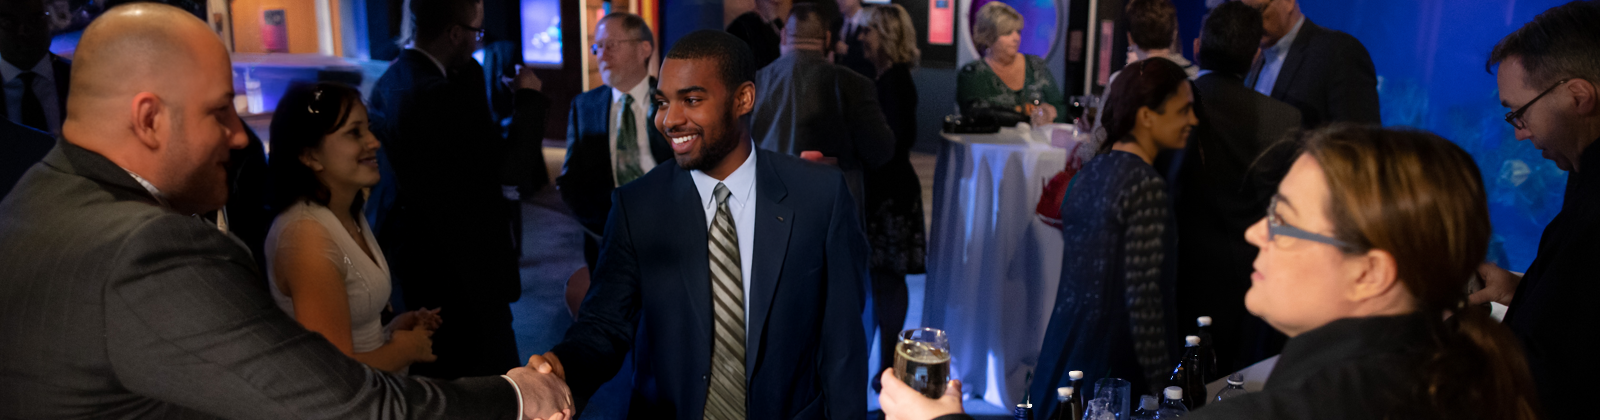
(112, 306)
(804, 102)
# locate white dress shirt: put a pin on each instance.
(641, 96)
(742, 204)
(44, 87)
(1272, 59)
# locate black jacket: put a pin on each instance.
(1222, 190)
(1329, 76)
(20, 148)
(759, 35)
(1553, 311)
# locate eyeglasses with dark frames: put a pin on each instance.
(1515, 117)
(1276, 227)
(474, 29)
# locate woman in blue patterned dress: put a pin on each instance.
(1114, 314)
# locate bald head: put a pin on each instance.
(152, 90)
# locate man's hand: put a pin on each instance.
(900, 402)
(527, 80)
(547, 363)
(1499, 285)
(544, 396)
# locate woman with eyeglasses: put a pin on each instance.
(324, 266)
(1365, 254)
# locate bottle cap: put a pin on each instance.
(1173, 393)
(1192, 340)
(1076, 375)
(1148, 403)
(1064, 392)
(1204, 321)
(1236, 379)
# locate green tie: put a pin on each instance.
(627, 145)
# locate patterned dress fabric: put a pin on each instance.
(977, 86)
(1114, 313)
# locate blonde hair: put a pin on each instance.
(994, 19)
(897, 39)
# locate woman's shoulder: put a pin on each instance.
(975, 67)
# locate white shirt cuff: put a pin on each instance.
(518, 389)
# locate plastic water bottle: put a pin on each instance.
(1147, 408)
(1172, 406)
(1188, 373)
(1208, 350)
(1067, 407)
(1235, 388)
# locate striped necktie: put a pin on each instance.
(725, 399)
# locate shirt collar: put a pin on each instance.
(42, 69)
(1288, 39)
(148, 187)
(741, 183)
(640, 92)
(434, 60)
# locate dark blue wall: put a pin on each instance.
(680, 17)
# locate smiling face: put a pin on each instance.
(1170, 128)
(698, 113)
(347, 160)
(204, 128)
(869, 42)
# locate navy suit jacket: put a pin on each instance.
(806, 352)
(586, 178)
(63, 77)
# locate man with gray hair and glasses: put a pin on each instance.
(1548, 78)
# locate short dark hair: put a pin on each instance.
(735, 62)
(1563, 42)
(806, 21)
(1145, 83)
(1152, 23)
(431, 19)
(631, 23)
(306, 113)
(1229, 38)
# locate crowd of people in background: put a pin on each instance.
(742, 207)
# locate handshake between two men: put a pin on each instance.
(543, 386)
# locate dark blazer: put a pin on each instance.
(1556, 295)
(759, 35)
(1329, 76)
(439, 137)
(586, 179)
(1222, 190)
(115, 307)
(805, 349)
(63, 77)
(20, 148)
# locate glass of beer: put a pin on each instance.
(922, 361)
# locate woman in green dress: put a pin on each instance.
(1005, 78)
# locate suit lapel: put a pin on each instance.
(773, 221)
(694, 269)
(602, 120)
(1291, 63)
(63, 77)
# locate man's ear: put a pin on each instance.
(744, 99)
(150, 119)
(1583, 96)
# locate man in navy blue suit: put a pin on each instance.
(735, 274)
(610, 141)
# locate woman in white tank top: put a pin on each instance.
(323, 263)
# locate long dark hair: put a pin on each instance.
(1421, 198)
(1145, 83)
(305, 114)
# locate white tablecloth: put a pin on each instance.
(993, 266)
